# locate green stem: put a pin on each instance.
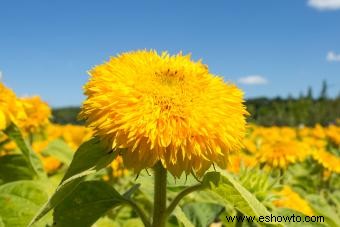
(140, 213)
(159, 207)
(30, 138)
(178, 198)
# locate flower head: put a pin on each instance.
(38, 114)
(164, 108)
(333, 133)
(50, 163)
(291, 199)
(11, 109)
(328, 160)
(237, 161)
(279, 154)
(74, 135)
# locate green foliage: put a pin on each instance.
(259, 183)
(89, 158)
(321, 207)
(202, 214)
(60, 150)
(66, 115)
(31, 157)
(231, 192)
(86, 204)
(293, 112)
(14, 167)
(19, 201)
(182, 217)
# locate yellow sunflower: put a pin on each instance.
(292, 200)
(236, 161)
(333, 133)
(327, 160)
(274, 133)
(164, 108)
(11, 109)
(38, 114)
(74, 135)
(51, 164)
(279, 154)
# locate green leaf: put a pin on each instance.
(231, 192)
(202, 214)
(2, 224)
(33, 160)
(322, 208)
(19, 201)
(13, 168)
(86, 204)
(106, 222)
(135, 222)
(60, 150)
(131, 191)
(211, 178)
(182, 218)
(90, 157)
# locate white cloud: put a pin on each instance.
(253, 80)
(324, 4)
(332, 56)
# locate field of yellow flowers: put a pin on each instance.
(48, 176)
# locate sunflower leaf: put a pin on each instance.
(182, 218)
(13, 168)
(90, 157)
(231, 192)
(35, 164)
(60, 150)
(19, 201)
(86, 204)
(202, 214)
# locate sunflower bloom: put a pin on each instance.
(333, 133)
(327, 160)
(51, 164)
(279, 154)
(74, 135)
(11, 109)
(38, 113)
(236, 162)
(292, 200)
(164, 108)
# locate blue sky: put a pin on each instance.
(267, 47)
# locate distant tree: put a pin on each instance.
(324, 88)
(310, 93)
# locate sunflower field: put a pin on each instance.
(165, 143)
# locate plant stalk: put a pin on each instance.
(159, 208)
(180, 196)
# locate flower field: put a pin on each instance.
(64, 175)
